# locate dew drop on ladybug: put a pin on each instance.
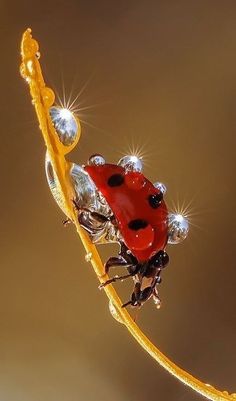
(131, 163)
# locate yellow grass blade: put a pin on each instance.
(42, 99)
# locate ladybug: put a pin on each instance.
(117, 203)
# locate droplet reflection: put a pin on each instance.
(65, 125)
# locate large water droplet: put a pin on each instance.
(178, 227)
(84, 187)
(65, 125)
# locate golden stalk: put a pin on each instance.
(42, 99)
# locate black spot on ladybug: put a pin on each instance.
(115, 180)
(155, 200)
(137, 224)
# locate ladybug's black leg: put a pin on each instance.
(116, 278)
(76, 205)
(127, 254)
(100, 218)
(115, 261)
(140, 296)
(66, 222)
(126, 304)
(145, 294)
(134, 297)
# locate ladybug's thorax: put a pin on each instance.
(138, 208)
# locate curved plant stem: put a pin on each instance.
(42, 99)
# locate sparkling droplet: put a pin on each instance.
(65, 125)
(96, 160)
(178, 228)
(160, 186)
(114, 312)
(88, 257)
(84, 187)
(37, 54)
(131, 163)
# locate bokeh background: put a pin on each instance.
(158, 77)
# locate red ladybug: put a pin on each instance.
(135, 216)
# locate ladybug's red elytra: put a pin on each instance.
(117, 203)
(138, 208)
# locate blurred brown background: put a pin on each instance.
(161, 75)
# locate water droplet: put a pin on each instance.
(65, 125)
(48, 96)
(160, 186)
(178, 228)
(88, 257)
(96, 160)
(37, 55)
(84, 187)
(54, 184)
(131, 163)
(115, 313)
(156, 300)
